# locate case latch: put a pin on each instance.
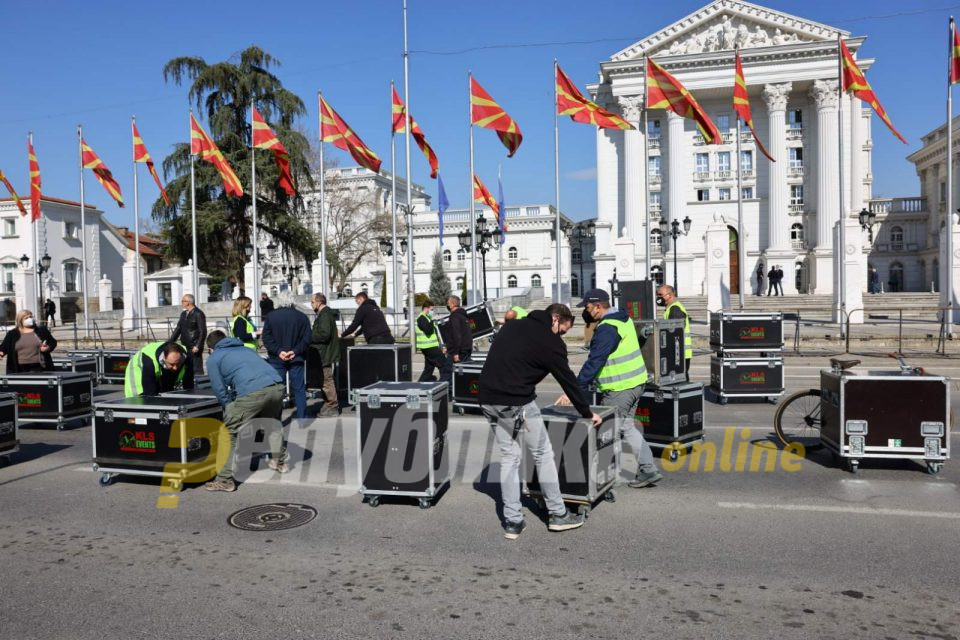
(373, 400)
(413, 401)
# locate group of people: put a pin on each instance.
(774, 280)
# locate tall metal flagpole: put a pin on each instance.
(137, 287)
(558, 295)
(254, 287)
(740, 249)
(950, 211)
(83, 241)
(473, 221)
(35, 249)
(503, 205)
(646, 180)
(324, 273)
(394, 277)
(411, 280)
(193, 217)
(841, 251)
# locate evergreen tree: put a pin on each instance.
(463, 292)
(440, 288)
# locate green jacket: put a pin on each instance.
(325, 339)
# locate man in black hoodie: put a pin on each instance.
(370, 321)
(524, 352)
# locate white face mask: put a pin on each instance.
(28, 322)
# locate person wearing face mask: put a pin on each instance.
(156, 368)
(667, 297)
(428, 342)
(325, 342)
(615, 365)
(27, 346)
(524, 353)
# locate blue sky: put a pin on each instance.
(97, 63)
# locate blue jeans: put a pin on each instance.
(298, 385)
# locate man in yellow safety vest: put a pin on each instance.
(667, 297)
(428, 342)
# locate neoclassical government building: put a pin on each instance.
(790, 206)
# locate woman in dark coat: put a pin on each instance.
(27, 346)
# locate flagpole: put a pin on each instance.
(740, 249)
(324, 275)
(646, 180)
(193, 215)
(411, 283)
(83, 241)
(473, 222)
(950, 258)
(841, 251)
(558, 296)
(254, 287)
(137, 288)
(503, 212)
(393, 217)
(34, 248)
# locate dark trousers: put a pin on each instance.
(433, 359)
(388, 339)
(688, 369)
(447, 376)
(50, 319)
(298, 385)
(197, 360)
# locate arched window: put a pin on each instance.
(576, 254)
(460, 282)
(535, 280)
(896, 277)
(512, 281)
(574, 285)
(446, 255)
(363, 287)
(461, 255)
(796, 235)
(896, 240)
(512, 253)
(656, 272)
(347, 291)
(656, 240)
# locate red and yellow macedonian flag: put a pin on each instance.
(92, 161)
(400, 126)
(481, 195)
(486, 113)
(570, 102)
(954, 53)
(265, 138)
(203, 145)
(666, 92)
(35, 190)
(336, 131)
(855, 82)
(13, 194)
(140, 154)
(741, 105)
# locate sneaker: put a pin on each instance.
(646, 479)
(220, 485)
(281, 467)
(512, 530)
(565, 522)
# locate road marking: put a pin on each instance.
(854, 510)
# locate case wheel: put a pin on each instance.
(61, 426)
(610, 496)
(674, 454)
(853, 466)
(461, 411)
(933, 468)
(425, 503)
(723, 400)
(772, 399)
(584, 510)
(373, 501)
(106, 479)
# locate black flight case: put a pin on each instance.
(587, 457)
(746, 376)
(89, 363)
(661, 342)
(479, 317)
(402, 436)
(466, 385)
(113, 364)
(9, 429)
(730, 331)
(371, 363)
(671, 417)
(131, 436)
(51, 397)
(885, 414)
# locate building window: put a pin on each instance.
(9, 268)
(703, 195)
(533, 211)
(653, 165)
(656, 272)
(746, 160)
(574, 285)
(653, 129)
(347, 291)
(512, 253)
(896, 239)
(943, 191)
(461, 282)
(512, 281)
(896, 277)
(656, 240)
(724, 193)
(746, 193)
(70, 231)
(535, 280)
(71, 273)
(796, 235)
(796, 195)
(461, 255)
(795, 119)
(723, 122)
(576, 254)
(364, 287)
(655, 201)
(723, 161)
(796, 157)
(447, 257)
(703, 163)
(9, 227)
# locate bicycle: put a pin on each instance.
(797, 419)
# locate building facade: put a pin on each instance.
(790, 207)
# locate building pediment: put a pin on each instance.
(725, 25)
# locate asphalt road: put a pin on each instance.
(812, 553)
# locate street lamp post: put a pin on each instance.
(486, 240)
(580, 233)
(672, 229)
(42, 268)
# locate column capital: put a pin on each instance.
(824, 94)
(631, 107)
(775, 95)
(673, 117)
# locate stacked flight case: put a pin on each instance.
(9, 428)
(479, 317)
(401, 436)
(82, 363)
(466, 385)
(113, 364)
(748, 358)
(372, 363)
(51, 397)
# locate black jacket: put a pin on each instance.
(370, 320)
(191, 329)
(461, 336)
(286, 329)
(524, 352)
(9, 348)
(266, 306)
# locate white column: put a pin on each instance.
(607, 207)
(778, 215)
(633, 164)
(316, 276)
(25, 290)
(857, 171)
(717, 265)
(105, 293)
(132, 296)
(676, 165)
(824, 95)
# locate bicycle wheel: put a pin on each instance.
(798, 420)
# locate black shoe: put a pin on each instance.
(646, 479)
(565, 522)
(512, 530)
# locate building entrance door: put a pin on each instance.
(734, 261)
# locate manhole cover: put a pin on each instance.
(272, 517)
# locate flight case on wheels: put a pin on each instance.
(661, 342)
(9, 433)
(466, 385)
(587, 457)
(131, 436)
(371, 363)
(671, 417)
(731, 331)
(746, 377)
(78, 363)
(402, 435)
(885, 415)
(51, 397)
(113, 364)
